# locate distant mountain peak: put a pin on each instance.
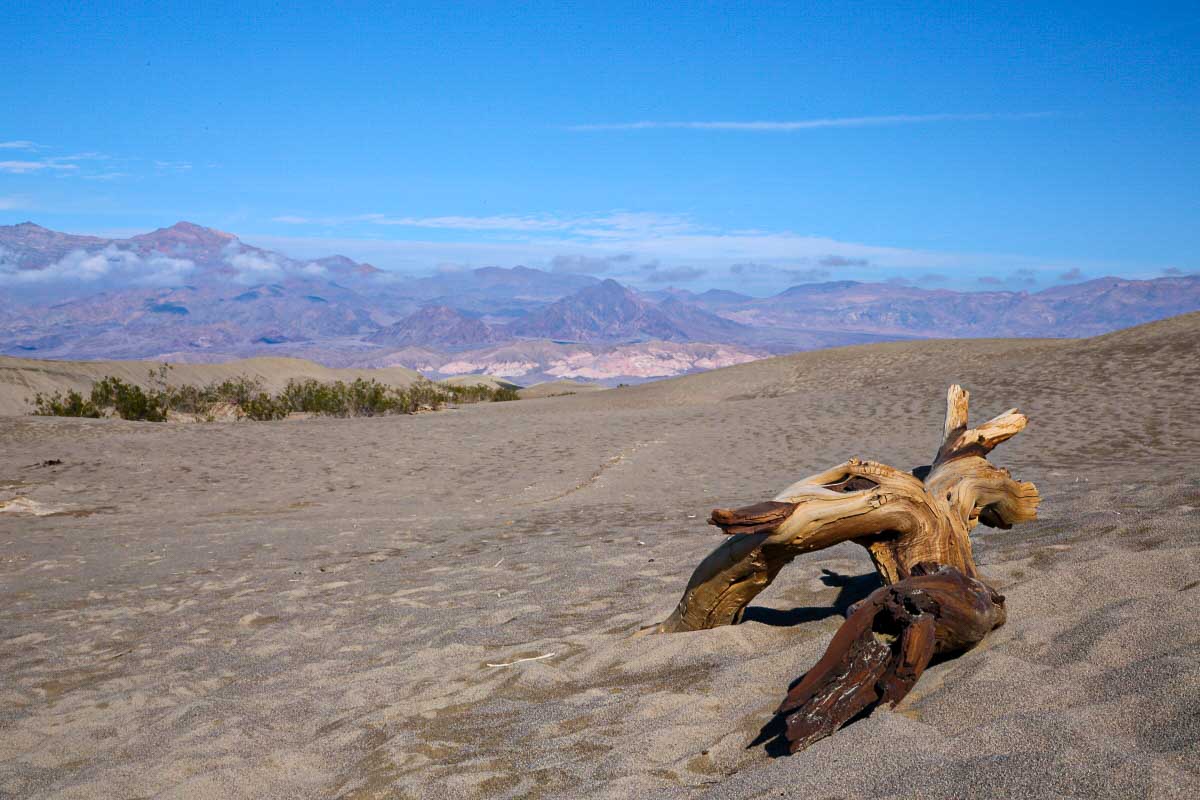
(342, 265)
(826, 287)
(606, 311)
(184, 231)
(437, 325)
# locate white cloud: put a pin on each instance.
(13, 202)
(493, 223)
(806, 124)
(83, 165)
(616, 242)
(252, 266)
(66, 163)
(589, 265)
(25, 167)
(683, 274)
(489, 223)
(609, 225)
(112, 264)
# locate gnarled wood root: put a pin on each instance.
(916, 527)
(877, 656)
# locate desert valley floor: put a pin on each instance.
(309, 608)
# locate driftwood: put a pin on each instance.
(916, 528)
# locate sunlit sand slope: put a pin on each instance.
(316, 608)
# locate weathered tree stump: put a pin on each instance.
(916, 527)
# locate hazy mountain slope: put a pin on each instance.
(1081, 309)
(29, 246)
(605, 312)
(438, 326)
(196, 294)
(505, 293)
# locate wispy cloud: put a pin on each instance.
(67, 163)
(842, 261)
(681, 274)
(112, 265)
(38, 159)
(807, 124)
(669, 238)
(11, 203)
(253, 266)
(495, 223)
(26, 167)
(621, 242)
(752, 270)
(487, 223)
(612, 224)
(590, 265)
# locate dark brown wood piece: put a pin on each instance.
(758, 518)
(885, 644)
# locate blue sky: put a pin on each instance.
(737, 145)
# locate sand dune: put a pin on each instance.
(311, 608)
(558, 389)
(22, 378)
(490, 381)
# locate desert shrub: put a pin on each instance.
(70, 404)
(263, 407)
(480, 393)
(314, 397)
(359, 398)
(129, 400)
(370, 398)
(238, 391)
(504, 394)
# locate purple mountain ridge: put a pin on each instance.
(606, 311)
(193, 293)
(438, 326)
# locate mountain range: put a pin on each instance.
(191, 293)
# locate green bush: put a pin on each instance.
(480, 393)
(71, 404)
(263, 407)
(130, 401)
(360, 398)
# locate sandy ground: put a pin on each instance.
(309, 608)
(22, 378)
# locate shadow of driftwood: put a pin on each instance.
(853, 588)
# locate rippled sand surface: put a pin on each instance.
(311, 608)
